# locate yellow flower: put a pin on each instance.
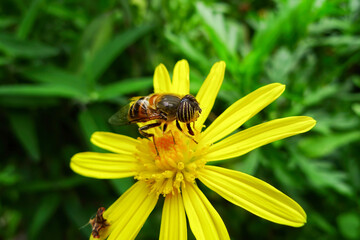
(173, 172)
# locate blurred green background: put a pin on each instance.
(67, 65)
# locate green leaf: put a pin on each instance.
(352, 43)
(50, 74)
(62, 11)
(28, 19)
(356, 108)
(74, 209)
(349, 224)
(43, 213)
(94, 119)
(186, 46)
(59, 184)
(4, 61)
(7, 21)
(97, 65)
(88, 127)
(43, 90)
(17, 101)
(356, 80)
(323, 174)
(321, 222)
(96, 34)
(288, 24)
(26, 49)
(249, 164)
(325, 25)
(283, 62)
(123, 87)
(121, 185)
(319, 146)
(327, 121)
(24, 128)
(9, 175)
(12, 219)
(223, 34)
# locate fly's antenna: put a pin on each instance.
(85, 225)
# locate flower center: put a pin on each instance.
(175, 162)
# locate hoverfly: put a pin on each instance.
(98, 223)
(164, 108)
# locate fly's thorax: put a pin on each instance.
(168, 105)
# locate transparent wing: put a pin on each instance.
(120, 117)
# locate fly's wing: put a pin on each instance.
(120, 117)
(134, 99)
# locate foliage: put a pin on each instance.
(66, 66)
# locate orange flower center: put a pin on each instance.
(175, 162)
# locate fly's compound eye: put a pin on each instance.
(188, 110)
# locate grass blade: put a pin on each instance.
(45, 211)
(97, 65)
(54, 75)
(124, 87)
(42, 90)
(24, 129)
(28, 19)
(26, 49)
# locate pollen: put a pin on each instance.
(172, 164)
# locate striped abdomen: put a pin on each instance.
(188, 110)
(139, 110)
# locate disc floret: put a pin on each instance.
(175, 164)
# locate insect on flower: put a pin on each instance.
(182, 162)
(98, 223)
(164, 108)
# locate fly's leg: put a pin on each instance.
(178, 125)
(164, 127)
(147, 127)
(193, 126)
(191, 132)
(164, 130)
(148, 135)
(173, 137)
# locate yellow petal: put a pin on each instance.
(104, 165)
(114, 142)
(241, 111)
(204, 221)
(208, 92)
(129, 213)
(181, 82)
(173, 220)
(162, 82)
(254, 195)
(259, 135)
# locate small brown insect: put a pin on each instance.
(98, 223)
(162, 107)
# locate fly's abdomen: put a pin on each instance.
(139, 110)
